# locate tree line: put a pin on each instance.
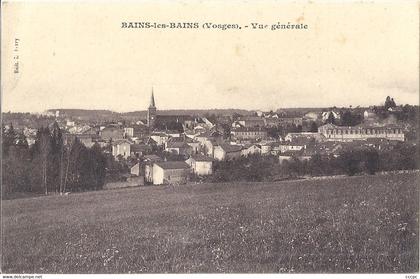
(50, 165)
(349, 162)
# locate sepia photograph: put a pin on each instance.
(209, 137)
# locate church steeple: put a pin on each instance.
(152, 100)
(151, 112)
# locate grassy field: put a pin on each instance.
(353, 224)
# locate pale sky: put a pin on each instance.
(75, 55)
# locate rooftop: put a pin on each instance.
(230, 148)
(168, 165)
(201, 158)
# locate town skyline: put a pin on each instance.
(145, 106)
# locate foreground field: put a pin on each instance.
(357, 224)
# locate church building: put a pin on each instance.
(164, 121)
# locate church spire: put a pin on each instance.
(152, 100)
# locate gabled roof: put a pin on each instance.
(175, 139)
(112, 128)
(140, 147)
(230, 148)
(201, 158)
(329, 126)
(248, 129)
(159, 134)
(122, 141)
(171, 165)
(246, 146)
(209, 134)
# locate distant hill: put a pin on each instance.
(107, 115)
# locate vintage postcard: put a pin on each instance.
(202, 137)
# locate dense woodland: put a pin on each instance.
(49, 166)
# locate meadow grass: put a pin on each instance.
(351, 225)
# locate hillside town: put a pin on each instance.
(175, 149)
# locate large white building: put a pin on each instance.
(171, 172)
(121, 147)
(361, 132)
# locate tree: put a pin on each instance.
(389, 103)
(57, 157)
(9, 136)
(349, 118)
(350, 162)
(99, 165)
(273, 132)
(226, 130)
(371, 161)
(313, 128)
(331, 118)
(236, 116)
(44, 143)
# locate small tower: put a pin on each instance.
(151, 112)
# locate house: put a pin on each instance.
(318, 137)
(136, 169)
(207, 122)
(173, 133)
(207, 146)
(151, 158)
(176, 147)
(128, 132)
(170, 172)
(361, 132)
(226, 151)
(121, 148)
(139, 150)
(192, 133)
(251, 121)
(148, 161)
(267, 146)
(209, 134)
(290, 120)
(251, 133)
(111, 133)
(200, 164)
(86, 140)
(159, 138)
(326, 115)
(135, 131)
(208, 140)
(136, 178)
(290, 146)
(195, 146)
(251, 149)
